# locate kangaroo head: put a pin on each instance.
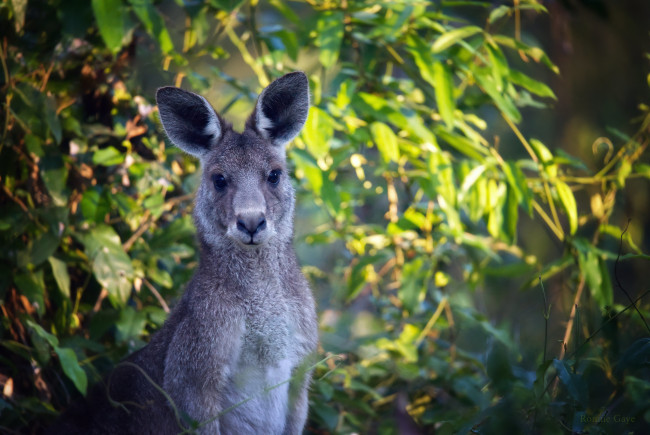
(245, 198)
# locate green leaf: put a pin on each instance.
(568, 201)
(111, 265)
(317, 132)
(33, 287)
(286, 11)
(498, 64)
(51, 118)
(306, 165)
(43, 247)
(386, 141)
(536, 53)
(423, 57)
(623, 171)
(94, 205)
(511, 214)
(573, 383)
(545, 157)
(55, 174)
(532, 85)
(470, 149)
(154, 23)
(61, 276)
(19, 8)
(444, 88)
(412, 288)
(71, 368)
(502, 101)
(227, 5)
(114, 23)
(452, 37)
(606, 291)
(498, 13)
(130, 324)
(108, 156)
(591, 269)
(517, 181)
(329, 35)
(38, 329)
(643, 169)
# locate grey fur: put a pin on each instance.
(246, 322)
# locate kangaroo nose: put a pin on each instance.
(251, 224)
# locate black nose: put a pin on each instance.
(251, 224)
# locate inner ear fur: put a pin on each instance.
(189, 120)
(282, 108)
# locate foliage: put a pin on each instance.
(422, 210)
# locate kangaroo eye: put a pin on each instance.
(274, 176)
(219, 181)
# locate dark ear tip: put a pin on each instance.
(297, 77)
(166, 91)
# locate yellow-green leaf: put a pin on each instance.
(530, 84)
(569, 203)
(329, 35)
(317, 132)
(450, 38)
(444, 92)
(386, 141)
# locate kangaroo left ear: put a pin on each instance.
(282, 108)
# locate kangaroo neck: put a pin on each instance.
(242, 265)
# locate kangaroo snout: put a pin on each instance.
(251, 224)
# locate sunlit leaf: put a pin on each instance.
(534, 86)
(386, 141)
(108, 156)
(450, 38)
(444, 92)
(329, 35)
(317, 132)
(153, 22)
(113, 21)
(501, 100)
(568, 201)
(111, 265)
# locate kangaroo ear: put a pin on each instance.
(282, 108)
(189, 120)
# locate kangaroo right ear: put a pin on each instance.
(189, 120)
(282, 108)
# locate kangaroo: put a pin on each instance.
(246, 323)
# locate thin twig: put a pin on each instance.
(572, 316)
(100, 299)
(153, 290)
(146, 223)
(618, 282)
(547, 314)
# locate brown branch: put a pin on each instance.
(153, 290)
(141, 229)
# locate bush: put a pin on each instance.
(411, 211)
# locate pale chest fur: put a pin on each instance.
(270, 351)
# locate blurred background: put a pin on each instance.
(472, 207)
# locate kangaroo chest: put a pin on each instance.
(259, 388)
